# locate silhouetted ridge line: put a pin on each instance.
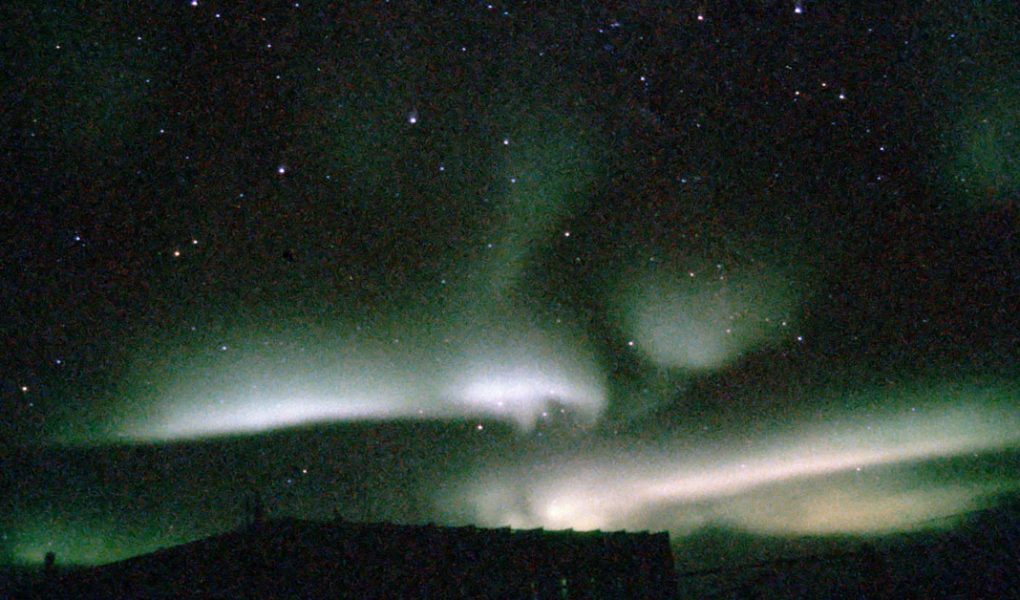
(291, 558)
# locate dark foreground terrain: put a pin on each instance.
(979, 558)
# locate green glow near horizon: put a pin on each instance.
(80, 543)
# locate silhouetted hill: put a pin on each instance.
(302, 559)
(978, 558)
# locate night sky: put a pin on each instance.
(744, 266)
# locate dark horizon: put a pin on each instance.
(974, 560)
(285, 558)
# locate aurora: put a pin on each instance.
(841, 477)
(748, 276)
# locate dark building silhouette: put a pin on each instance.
(302, 559)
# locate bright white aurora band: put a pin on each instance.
(513, 376)
(831, 478)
